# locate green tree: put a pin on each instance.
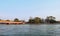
(16, 20)
(50, 19)
(31, 20)
(37, 20)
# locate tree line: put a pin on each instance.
(38, 20)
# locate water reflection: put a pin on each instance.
(30, 30)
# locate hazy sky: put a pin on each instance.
(23, 9)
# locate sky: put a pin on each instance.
(23, 9)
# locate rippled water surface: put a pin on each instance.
(30, 30)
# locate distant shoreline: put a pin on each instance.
(29, 24)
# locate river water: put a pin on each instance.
(30, 30)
